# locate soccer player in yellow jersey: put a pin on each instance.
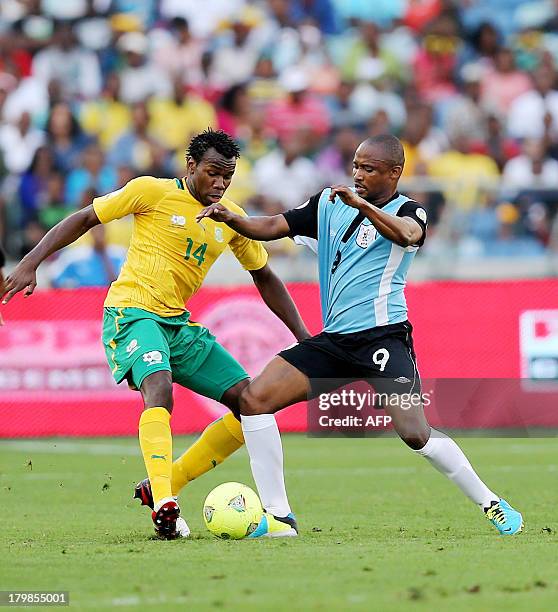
(148, 337)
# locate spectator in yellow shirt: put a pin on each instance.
(175, 120)
(468, 175)
(108, 117)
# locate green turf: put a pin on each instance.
(380, 530)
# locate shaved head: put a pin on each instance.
(377, 167)
(388, 147)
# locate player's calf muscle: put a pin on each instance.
(156, 391)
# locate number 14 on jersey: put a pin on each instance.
(198, 254)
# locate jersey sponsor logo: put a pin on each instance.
(421, 214)
(132, 347)
(366, 236)
(153, 357)
(219, 234)
(178, 220)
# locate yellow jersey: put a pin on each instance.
(170, 254)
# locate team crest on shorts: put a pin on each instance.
(153, 357)
(366, 236)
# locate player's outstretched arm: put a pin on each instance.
(275, 295)
(257, 228)
(61, 235)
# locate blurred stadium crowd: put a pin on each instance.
(95, 92)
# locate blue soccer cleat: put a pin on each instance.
(506, 520)
(276, 527)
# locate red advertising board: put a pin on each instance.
(54, 379)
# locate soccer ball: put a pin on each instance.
(232, 511)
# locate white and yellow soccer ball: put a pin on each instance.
(232, 511)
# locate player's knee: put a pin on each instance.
(157, 391)
(231, 397)
(250, 404)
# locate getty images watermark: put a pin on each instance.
(484, 407)
(357, 408)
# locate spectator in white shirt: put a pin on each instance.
(181, 54)
(533, 169)
(18, 142)
(141, 78)
(536, 111)
(203, 16)
(286, 177)
(236, 57)
(74, 67)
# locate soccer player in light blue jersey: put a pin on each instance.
(366, 239)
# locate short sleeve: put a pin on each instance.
(250, 253)
(138, 196)
(303, 220)
(416, 212)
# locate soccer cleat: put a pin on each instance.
(506, 520)
(276, 527)
(165, 518)
(182, 529)
(143, 493)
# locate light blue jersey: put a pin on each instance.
(362, 279)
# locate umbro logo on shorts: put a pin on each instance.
(153, 357)
(402, 379)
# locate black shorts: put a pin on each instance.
(384, 355)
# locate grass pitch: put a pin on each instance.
(381, 530)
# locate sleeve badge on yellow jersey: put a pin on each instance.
(219, 234)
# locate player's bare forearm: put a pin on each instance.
(404, 231)
(275, 295)
(256, 228)
(61, 235)
(401, 230)
(261, 228)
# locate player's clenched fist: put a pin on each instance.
(217, 212)
(346, 195)
(23, 277)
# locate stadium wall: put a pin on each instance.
(54, 380)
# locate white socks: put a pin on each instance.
(263, 442)
(444, 454)
(266, 459)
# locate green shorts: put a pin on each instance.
(138, 343)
